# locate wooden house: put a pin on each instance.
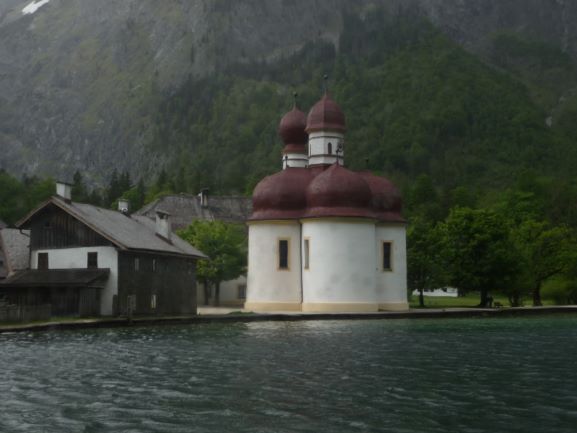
(90, 261)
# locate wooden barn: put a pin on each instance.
(90, 261)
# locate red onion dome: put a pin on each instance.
(292, 129)
(386, 198)
(326, 115)
(339, 192)
(281, 195)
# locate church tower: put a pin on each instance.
(326, 128)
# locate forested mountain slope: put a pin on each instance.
(468, 92)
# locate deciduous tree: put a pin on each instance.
(225, 245)
(478, 251)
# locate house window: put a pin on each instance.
(306, 253)
(283, 254)
(136, 264)
(387, 259)
(153, 302)
(241, 291)
(92, 260)
(43, 261)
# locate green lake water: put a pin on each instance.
(409, 376)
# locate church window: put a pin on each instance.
(387, 259)
(92, 260)
(43, 261)
(330, 148)
(283, 254)
(306, 253)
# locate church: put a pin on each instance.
(323, 238)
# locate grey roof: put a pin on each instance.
(45, 278)
(185, 208)
(126, 232)
(14, 248)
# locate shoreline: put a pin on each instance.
(245, 317)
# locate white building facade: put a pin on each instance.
(323, 238)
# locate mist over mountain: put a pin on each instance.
(144, 85)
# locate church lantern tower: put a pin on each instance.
(326, 128)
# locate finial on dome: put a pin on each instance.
(326, 83)
(295, 98)
(339, 152)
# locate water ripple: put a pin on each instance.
(470, 375)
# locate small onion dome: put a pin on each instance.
(339, 192)
(292, 131)
(281, 195)
(326, 115)
(386, 198)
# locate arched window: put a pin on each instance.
(330, 148)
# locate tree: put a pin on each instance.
(79, 191)
(225, 245)
(546, 251)
(478, 252)
(136, 196)
(425, 270)
(11, 198)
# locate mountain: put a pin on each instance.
(197, 88)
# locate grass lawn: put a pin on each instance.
(471, 300)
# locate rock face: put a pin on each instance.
(81, 80)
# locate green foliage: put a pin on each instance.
(561, 290)
(224, 244)
(478, 252)
(18, 198)
(425, 267)
(544, 252)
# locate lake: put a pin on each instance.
(409, 376)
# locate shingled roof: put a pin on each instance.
(126, 232)
(14, 250)
(95, 278)
(185, 208)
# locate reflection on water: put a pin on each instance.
(460, 375)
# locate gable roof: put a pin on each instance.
(14, 248)
(126, 232)
(185, 208)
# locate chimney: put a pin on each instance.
(163, 225)
(123, 206)
(64, 190)
(203, 197)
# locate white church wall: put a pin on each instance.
(268, 287)
(341, 274)
(392, 284)
(76, 258)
